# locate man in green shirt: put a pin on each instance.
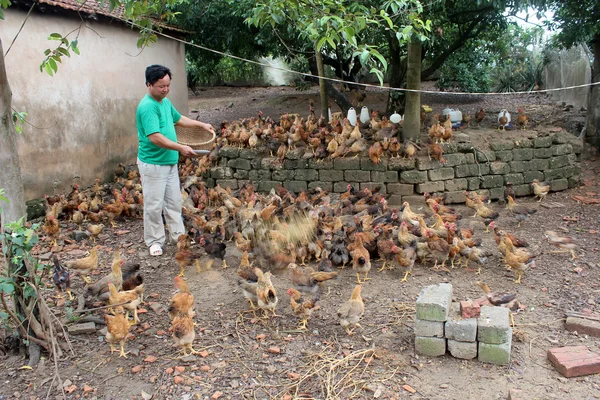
(158, 154)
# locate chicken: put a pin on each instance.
(439, 249)
(117, 330)
(500, 299)
(265, 292)
(479, 116)
(361, 260)
(498, 234)
(406, 258)
(51, 228)
(114, 211)
(540, 189)
(520, 212)
(405, 237)
(352, 311)
(565, 243)
(466, 118)
(132, 277)
(502, 121)
(132, 298)
(375, 152)
(475, 254)
(387, 249)
(214, 249)
(116, 277)
(487, 214)
(435, 151)
(61, 278)
(95, 230)
(408, 215)
(184, 334)
(307, 280)
(339, 254)
(302, 306)
(522, 119)
(182, 302)
(85, 265)
(519, 265)
(409, 149)
(184, 256)
(509, 191)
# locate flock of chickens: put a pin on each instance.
(281, 232)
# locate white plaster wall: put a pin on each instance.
(83, 118)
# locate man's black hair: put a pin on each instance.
(156, 72)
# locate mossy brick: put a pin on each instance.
(384, 177)
(430, 187)
(357, 176)
(573, 158)
(258, 175)
(440, 174)
(574, 181)
(229, 152)
(210, 182)
(373, 186)
(529, 176)
(327, 186)
(539, 164)
(221, 173)
(462, 350)
(484, 155)
(493, 325)
(515, 179)
(222, 162)
(241, 174)
(248, 154)
(244, 182)
(331, 175)
(424, 164)
(492, 181)
(474, 183)
(295, 186)
(368, 165)
(402, 189)
(307, 175)
(283, 175)
(240, 163)
(497, 193)
(449, 147)
(228, 183)
(523, 143)
(469, 158)
(499, 167)
(522, 154)
(294, 154)
(454, 159)
(271, 163)
(551, 174)
(501, 145)
(341, 187)
(433, 302)
(523, 190)
(455, 185)
(545, 152)
(558, 162)
(457, 197)
(320, 164)
(545, 141)
(559, 184)
(413, 176)
(266, 186)
(401, 164)
(498, 354)
(560, 138)
(571, 170)
(519, 166)
(464, 147)
(430, 346)
(577, 145)
(428, 328)
(346, 163)
(466, 170)
(295, 164)
(561, 149)
(256, 162)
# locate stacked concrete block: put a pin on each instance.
(494, 335)
(433, 306)
(461, 334)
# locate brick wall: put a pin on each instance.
(483, 168)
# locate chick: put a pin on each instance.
(351, 311)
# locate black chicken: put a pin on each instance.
(214, 249)
(61, 278)
(339, 253)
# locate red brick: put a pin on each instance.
(583, 325)
(574, 361)
(469, 309)
(482, 301)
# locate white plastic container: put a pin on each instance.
(364, 115)
(507, 117)
(395, 118)
(352, 116)
(455, 115)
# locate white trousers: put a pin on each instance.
(162, 195)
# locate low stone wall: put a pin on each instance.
(486, 168)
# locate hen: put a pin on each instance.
(565, 243)
(406, 258)
(361, 260)
(51, 228)
(116, 277)
(307, 280)
(520, 212)
(522, 119)
(132, 298)
(351, 311)
(302, 307)
(214, 249)
(339, 254)
(499, 299)
(61, 278)
(375, 152)
(182, 327)
(117, 330)
(540, 189)
(182, 302)
(85, 265)
(479, 116)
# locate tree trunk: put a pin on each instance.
(322, 87)
(10, 178)
(593, 107)
(412, 116)
(396, 99)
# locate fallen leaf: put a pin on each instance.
(178, 380)
(205, 368)
(203, 354)
(293, 375)
(136, 369)
(586, 200)
(409, 389)
(122, 232)
(71, 389)
(142, 311)
(169, 371)
(216, 395)
(87, 388)
(150, 359)
(179, 369)
(274, 350)
(26, 367)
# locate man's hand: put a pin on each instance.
(208, 127)
(187, 151)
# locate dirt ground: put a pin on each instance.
(246, 358)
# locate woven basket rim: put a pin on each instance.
(185, 140)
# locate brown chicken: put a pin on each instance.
(117, 329)
(522, 119)
(518, 264)
(498, 299)
(375, 152)
(361, 260)
(182, 302)
(435, 151)
(406, 258)
(116, 277)
(308, 281)
(466, 118)
(387, 249)
(95, 230)
(182, 327)
(352, 311)
(51, 228)
(487, 214)
(394, 147)
(302, 306)
(502, 121)
(520, 212)
(185, 256)
(409, 149)
(499, 234)
(61, 278)
(85, 265)
(439, 249)
(540, 189)
(132, 298)
(114, 211)
(479, 116)
(565, 243)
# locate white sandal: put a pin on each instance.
(156, 250)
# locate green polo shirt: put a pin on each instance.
(152, 117)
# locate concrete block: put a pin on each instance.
(558, 162)
(530, 176)
(519, 166)
(295, 164)
(574, 182)
(469, 158)
(459, 328)
(241, 174)
(561, 149)
(222, 162)
(493, 325)
(522, 154)
(357, 176)
(430, 187)
(440, 174)
(455, 197)
(221, 173)
(430, 346)
(492, 181)
(295, 186)
(572, 361)
(413, 177)
(515, 179)
(559, 184)
(504, 155)
(462, 350)
(368, 165)
(82, 329)
(227, 183)
(307, 175)
(455, 185)
(545, 141)
(258, 175)
(384, 177)
(499, 168)
(373, 186)
(523, 143)
(229, 152)
(449, 147)
(401, 164)
(295, 154)
(429, 328)
(256, 162)
(271, 163)
(433, 303)
(496, 353)
(327, 186)
(466, 170)
(560, 138)
(582, 325)
(501, 145)
(283, 174)
(239, 163)
(403, 189)
(544, 153)
(424, 164)
(248, 154)
(523, 190)
(474, 183)
(497, 193)
(320, 164)
(331, 175)
(395, 200)
(346, 163)
(539, 164)
(341, 187)
(266, 186)
(577, 145)
(454, 159)
(485, 156)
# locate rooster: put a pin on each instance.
(522, 119)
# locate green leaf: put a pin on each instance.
(63, 51)
(48, 69)
(379, 75)
(320, 43)
(53, 65)
(364, 56)
(75, 49)
(47, 52)
(55, 36)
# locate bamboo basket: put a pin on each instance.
(196, 138)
